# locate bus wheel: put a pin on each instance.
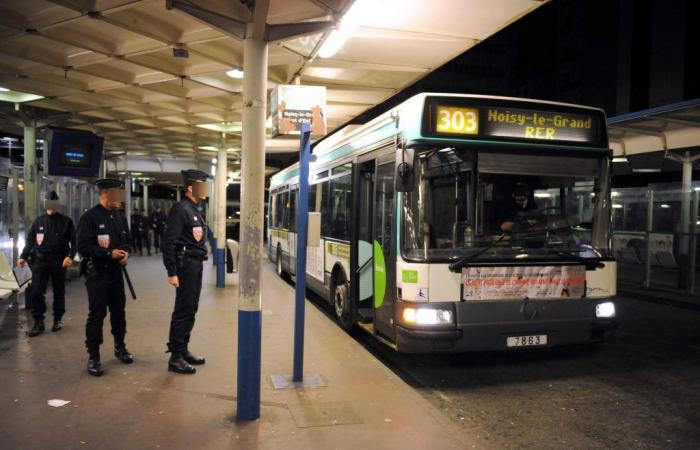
(341, 304)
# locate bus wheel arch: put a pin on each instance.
(340, 298)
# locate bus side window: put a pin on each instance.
(340, 210)
(323, 202)
(272, 210)
(292, 211)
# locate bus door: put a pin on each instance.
(384, 247)
(362, 290)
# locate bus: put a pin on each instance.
(457, 223)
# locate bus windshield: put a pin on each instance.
(496, 205)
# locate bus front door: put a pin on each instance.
(384, 251)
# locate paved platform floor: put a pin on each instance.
(363, 406)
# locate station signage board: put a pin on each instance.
(293, 105)
(511, 120)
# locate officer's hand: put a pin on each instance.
(21, 262)
(67, 262)
(118, 254)
(125, 259)
(174, 281)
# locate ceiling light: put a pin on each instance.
(4, 89)
(617, 206)
(646, 170)
(620, 159)
(543, 195)
(236, 73)
(348, 25)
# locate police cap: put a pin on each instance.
(51, 195)
(189, 176)
(109, 183)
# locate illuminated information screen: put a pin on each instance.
(76, 155)
(502, 122)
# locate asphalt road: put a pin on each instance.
(640, 390)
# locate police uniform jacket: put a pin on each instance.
(158, 221)
(99, 232)
(51, 236)
(138, 225)
(185, 235)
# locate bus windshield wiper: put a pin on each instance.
(457, 265)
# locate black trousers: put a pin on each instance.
(189, 275)
(43, 269)
(141, 241)
(156, 240)
(105, 291)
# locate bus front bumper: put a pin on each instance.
(486, 326)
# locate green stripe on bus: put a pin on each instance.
(379, 275)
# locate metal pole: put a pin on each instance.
(145, 196)
(220, 180)
(650, 226)
(15, 215)
(31, 204)
(177, 194)
(684, 244)
(252, 214)
(302, 234)
(127, 197)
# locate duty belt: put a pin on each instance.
(197, 257)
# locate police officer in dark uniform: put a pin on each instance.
(51, 242)
(158, 219)
(183, 253)
(104, 244)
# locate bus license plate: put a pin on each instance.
(527, 341)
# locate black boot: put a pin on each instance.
(193, 359)
(37, 329)
(57, 324)
(94, 366)
(178, 364)
(123, 354)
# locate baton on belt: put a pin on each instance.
(128, 283)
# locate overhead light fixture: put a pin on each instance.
(543, 195)
(4, 89)
(620, 159)
(348, 24)
(647, 170)
(236, 73)
(617, 206)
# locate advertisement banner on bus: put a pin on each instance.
(521, 282)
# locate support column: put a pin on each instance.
(145, 196)
(15, 216)
(31, 182)
(127, 198)
(684, 274)
(252, 213)
(220, 227)
(177, 194)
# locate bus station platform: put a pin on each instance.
(142, 405)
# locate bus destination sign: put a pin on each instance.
(498, 122)
(529, 124)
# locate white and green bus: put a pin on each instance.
(459, 223)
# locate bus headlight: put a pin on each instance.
(605, 310)
(427, 316)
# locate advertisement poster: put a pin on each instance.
(520, 282)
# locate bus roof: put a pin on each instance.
(409, 119)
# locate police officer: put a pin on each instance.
(104, 244)
(183, 253)
(51, 242)
(158, 219)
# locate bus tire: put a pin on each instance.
(340, 302)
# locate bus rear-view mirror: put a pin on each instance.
(406, 161)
